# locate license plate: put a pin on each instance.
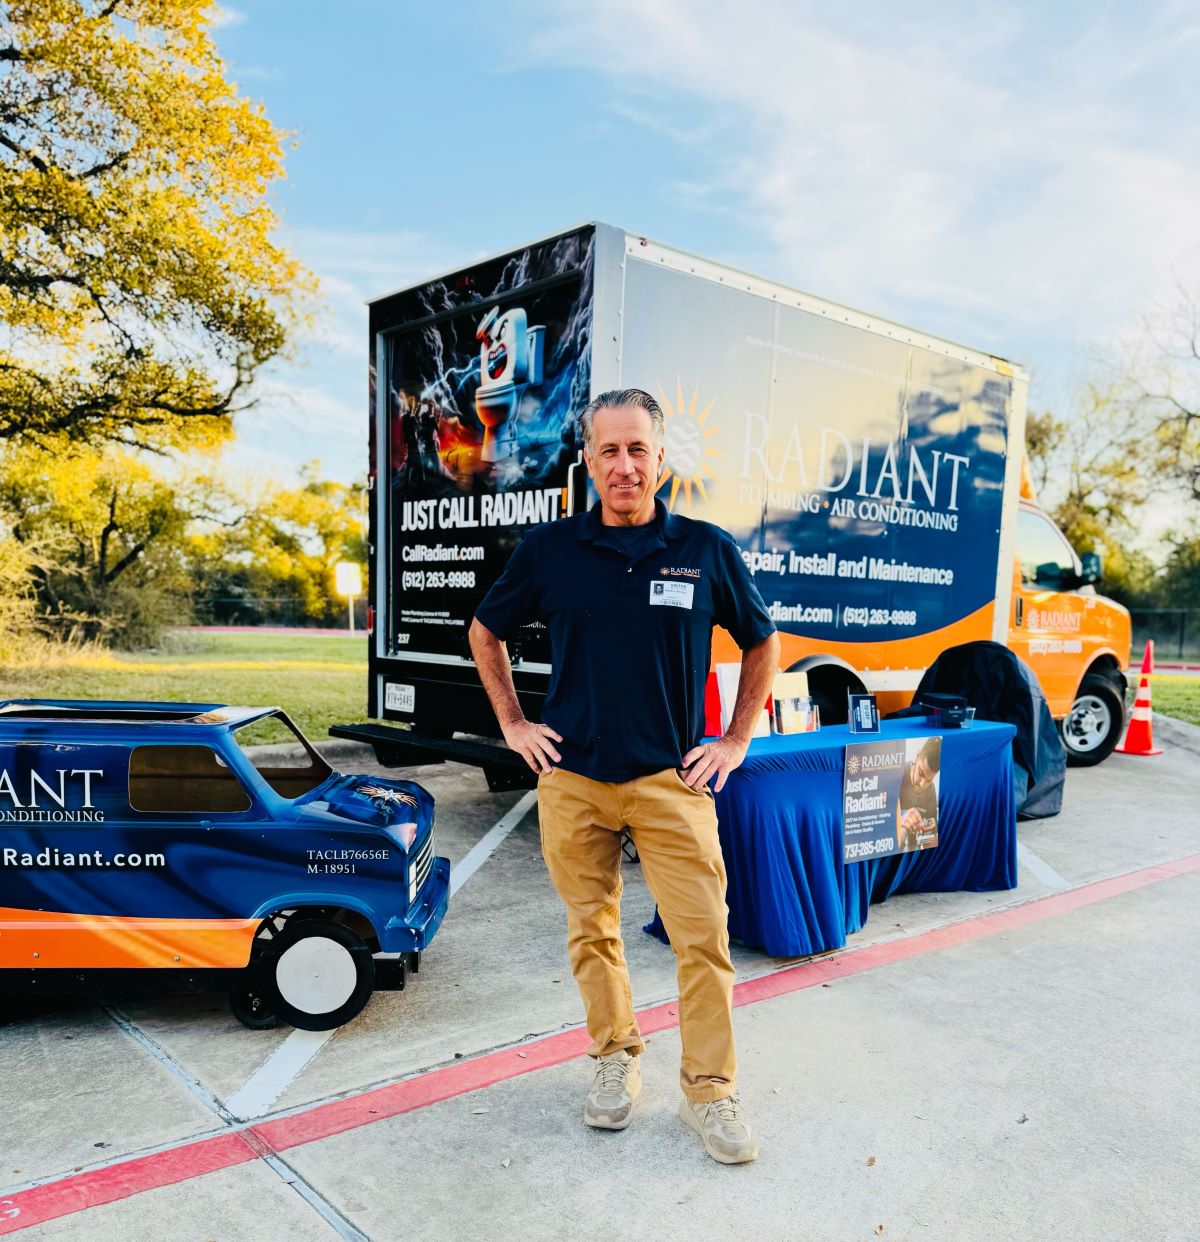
(400, 698)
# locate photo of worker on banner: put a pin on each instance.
(917, 808)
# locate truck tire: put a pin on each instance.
(317, 974)
(1092, 728)
(830, 681)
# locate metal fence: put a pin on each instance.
(1175, 631)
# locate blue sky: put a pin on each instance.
(1024, 178)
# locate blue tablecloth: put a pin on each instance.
(780, 821)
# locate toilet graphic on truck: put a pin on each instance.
(510, 360)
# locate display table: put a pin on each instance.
(780, 822)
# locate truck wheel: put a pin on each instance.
(250, 1007)
(318, 974)
(829, 682)
(1093, 726)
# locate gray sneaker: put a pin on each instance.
(615, 1089)
(722, 1128)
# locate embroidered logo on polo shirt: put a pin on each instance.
(679, 572)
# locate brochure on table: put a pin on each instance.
(728, 677)
(862, 713)
(792, 708)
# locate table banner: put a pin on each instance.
(890, 797)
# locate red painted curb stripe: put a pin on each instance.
(430, 1088)
(77, 1192)
(325, 1120)
(823, 970)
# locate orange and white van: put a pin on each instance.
(871, 474)
(1074, 639)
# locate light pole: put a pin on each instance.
(348, 579)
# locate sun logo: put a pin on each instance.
(852, 764)
(686, 448)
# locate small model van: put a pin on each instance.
(213, 842)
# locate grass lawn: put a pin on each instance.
(318, 681)
(1176, 696)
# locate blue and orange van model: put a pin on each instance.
(210, 841)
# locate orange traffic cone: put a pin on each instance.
(1148, 658)
(1139, 737)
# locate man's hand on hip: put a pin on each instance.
(532, 742)
(721, 757)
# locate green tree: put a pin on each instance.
(1178, 585)
(1044, 438)
(1094, 474)
(140, 280)
(18, 599)
(100, 545)
(283, 549)
(1167, 377)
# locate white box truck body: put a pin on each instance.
(871, 474)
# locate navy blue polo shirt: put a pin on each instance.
(630, 622)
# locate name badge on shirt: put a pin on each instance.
(672, 594)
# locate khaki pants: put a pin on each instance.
(675, 831)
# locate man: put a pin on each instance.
(918, 807)
(630, 593)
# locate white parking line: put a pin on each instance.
(275, 1074)
(1040, 868)
(490, 842)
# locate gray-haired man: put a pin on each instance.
(630, 594)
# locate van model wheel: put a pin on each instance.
(318, 974)
(250, 1006)
(1093, 726)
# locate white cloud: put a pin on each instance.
(222, 17)
(646, 115)
(1015, 177)
(990, 176)
(257, 73)
(294, 422)
(354, 268)
(303, 407)
(314, 407)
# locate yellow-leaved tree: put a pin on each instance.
(276, 561)
(141, 282)
(105, 539)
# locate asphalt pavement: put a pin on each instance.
(973, 1065)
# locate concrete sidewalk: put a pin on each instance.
(1034, 1083)
(1029, 1072)
(1033, 1086)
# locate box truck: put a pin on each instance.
(873, 476)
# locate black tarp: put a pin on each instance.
(1001, 686)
